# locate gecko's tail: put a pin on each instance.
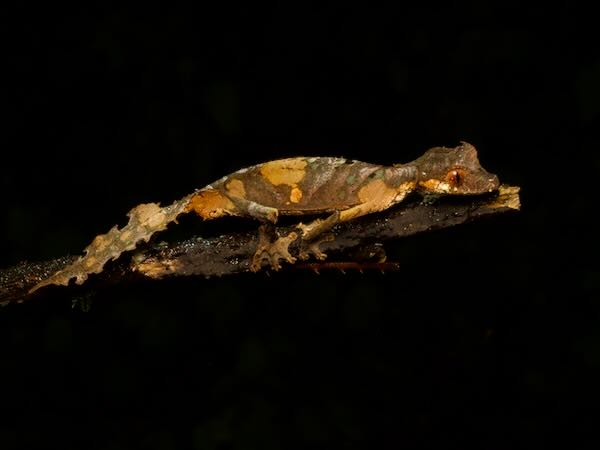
(144, 220)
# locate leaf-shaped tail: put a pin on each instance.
(144, 220)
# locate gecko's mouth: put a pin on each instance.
(482, 185)
(486, 184)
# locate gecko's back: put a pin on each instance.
(301, 185)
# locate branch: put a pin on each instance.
(231, 253)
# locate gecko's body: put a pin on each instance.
(293, 186)
(343, 189)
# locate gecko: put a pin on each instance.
(334, 189)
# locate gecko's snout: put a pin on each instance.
(482, 181)
(479, 182)
(493, 182)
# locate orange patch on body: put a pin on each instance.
(295, 195)
(403, 190)
(434, 185)
(377, 192)
(284, 171)
(236, 188)
(376, 196)
(210, 204)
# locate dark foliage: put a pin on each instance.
(490, 334)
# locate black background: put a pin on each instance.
(489, 335)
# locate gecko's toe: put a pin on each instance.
(257, 261)
(313, 247)
(279, 250)
(273, 252)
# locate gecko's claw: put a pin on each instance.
(272, 252)
(312, 247)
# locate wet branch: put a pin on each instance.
(231, 253)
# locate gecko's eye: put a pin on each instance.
(455, 177)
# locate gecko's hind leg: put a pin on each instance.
(272, 248)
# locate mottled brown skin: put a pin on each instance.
(344, 188)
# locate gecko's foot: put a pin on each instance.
(308, 248)
(272, 252)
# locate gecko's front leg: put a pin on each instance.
(314, 234)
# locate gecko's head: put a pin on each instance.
(454, 171)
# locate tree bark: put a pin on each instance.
(231, 253)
